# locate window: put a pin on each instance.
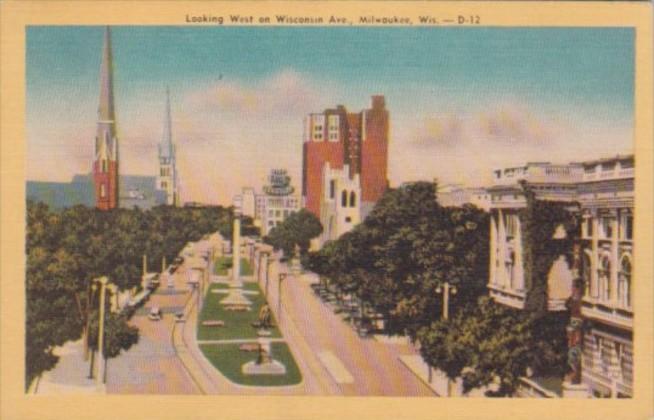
(344, 199)
(624, 283)
(510, 272)
(605, 354)
(348, 219)
(103, 191)
(606, 227)
(285, 214)
(271, 223)
(164, 185)
(353, 199)
(604, 276)
(332, 188)
(270, 213)
(627, 227)
(105, 167)
(278, 213)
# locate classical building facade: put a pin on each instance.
(507, 283)
(356, 140)
(105, 163)
(167, 177)
(597, 285)
(606, 196)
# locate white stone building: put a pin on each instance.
(602, 193)
(606, 195)
(506, 281)
(340, 205)
(273, 205)
(455, 195)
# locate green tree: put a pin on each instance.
(489, 343)
(404, 250)
(298, 229)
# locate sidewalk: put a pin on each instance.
(70, 375)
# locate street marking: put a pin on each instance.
(335, 367)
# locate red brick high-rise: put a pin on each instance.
(105, 164)
(359, 140)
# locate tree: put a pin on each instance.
(404, 250)
(66, 250)
(489, 342)
(298, 229)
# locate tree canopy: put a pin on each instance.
(298, 229)
(67, 249)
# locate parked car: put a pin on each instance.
(155, 314)
(179, 317)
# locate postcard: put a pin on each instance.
(325, 209)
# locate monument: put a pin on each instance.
(235, 296)
(264, 363)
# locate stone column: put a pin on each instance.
(615, 258)
(501, 240)
(518, 264)
(493, 250)
(594, 281)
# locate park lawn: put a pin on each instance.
(238, 325)
(223, 264)
(228, 359)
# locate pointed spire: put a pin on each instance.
(167, 140)
(106, 106)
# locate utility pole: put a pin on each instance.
(101, 365)
(282, 277)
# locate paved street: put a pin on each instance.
(152, 366)
(333, 359)
(356, 366)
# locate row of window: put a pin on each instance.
(278, 213)
(606, 224)
(600, 288)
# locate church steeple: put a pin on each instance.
(106, 107)
(167, 179)
(105, 165)
(166, 147)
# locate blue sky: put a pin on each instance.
(456, 96)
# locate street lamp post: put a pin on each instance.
(101, 365)
(282, 277)
(446, 289)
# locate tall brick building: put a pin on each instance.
(356, 142)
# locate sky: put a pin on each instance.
(462, 101)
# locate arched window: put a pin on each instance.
(604, 276)
(624, 282)
(344, 199)
(103, 191)
(353, 199)
(105, 168)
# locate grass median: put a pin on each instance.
(229, 359)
